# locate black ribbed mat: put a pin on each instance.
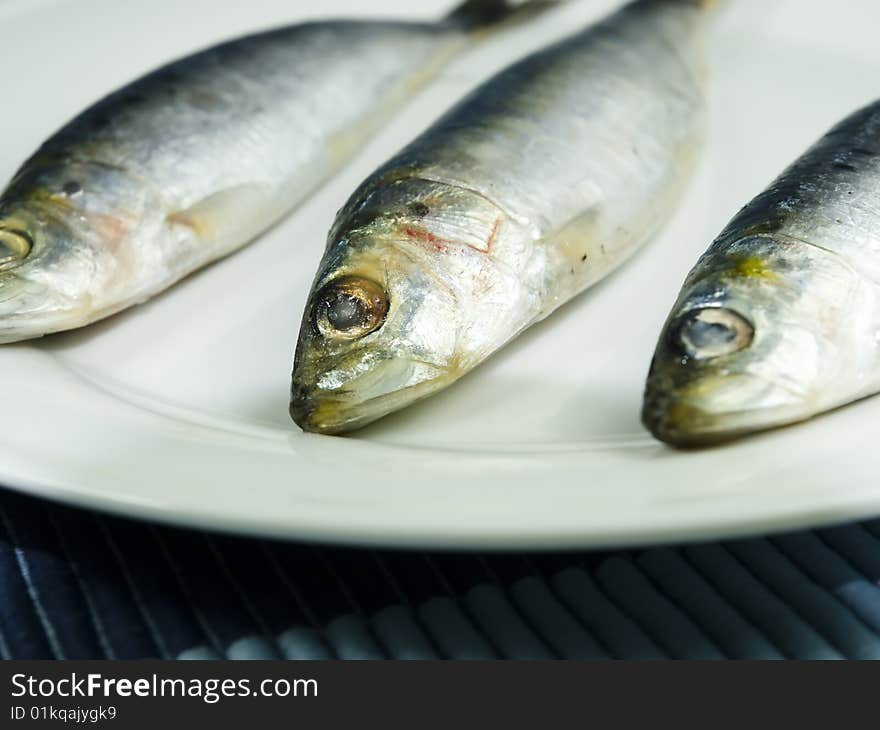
(74, 584)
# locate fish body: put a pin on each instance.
(780, 319)
(192, 161)
(534, 187)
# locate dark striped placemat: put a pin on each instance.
(75, 584)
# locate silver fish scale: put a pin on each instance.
(194, 160)
(829, 198)
(535, 186)
(591, 139)
(259, 109)
(793, 285)
(578, 124)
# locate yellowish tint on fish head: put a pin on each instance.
(747, 346)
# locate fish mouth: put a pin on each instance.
(363, 400)
(29, 309)
(718, 409)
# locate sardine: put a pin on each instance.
(194, 160)
(532, 188)
(780, 319)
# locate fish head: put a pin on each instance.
(44, 275)
(376, 334)
(753, 342)
(60, 233)
(385, 323)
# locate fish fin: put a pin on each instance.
(234, 213)
(483, 15)
(583, 252)
(578, 242)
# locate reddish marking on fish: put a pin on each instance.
(443, 244)
(427, 237)
(493, 235)
(113, 230)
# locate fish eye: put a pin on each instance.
(15, 245)
(713, 332)
(349, 307)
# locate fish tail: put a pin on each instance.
(482, 15)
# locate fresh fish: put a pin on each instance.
(534, 187)
(194, 160)
(780, 318)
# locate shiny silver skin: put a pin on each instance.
(194, 160)
(792, 286)
(534, 187)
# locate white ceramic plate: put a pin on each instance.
(177, 410)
